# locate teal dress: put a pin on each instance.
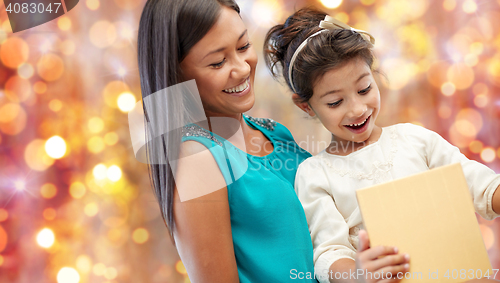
(270, 233)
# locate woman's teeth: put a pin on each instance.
(238, 88)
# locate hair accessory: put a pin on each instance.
(329, 23)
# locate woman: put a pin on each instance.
(232, 210)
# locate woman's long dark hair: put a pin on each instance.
(168, 29)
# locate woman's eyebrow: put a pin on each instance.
(222, 48)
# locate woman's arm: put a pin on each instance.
(202, 225)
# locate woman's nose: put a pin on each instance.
(241, 68)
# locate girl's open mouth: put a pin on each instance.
(359, 128)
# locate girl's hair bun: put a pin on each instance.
(282, 40)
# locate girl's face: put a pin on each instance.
(223, 64)
(347, 101)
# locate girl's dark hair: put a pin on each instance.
(324, 52)
(168, 29)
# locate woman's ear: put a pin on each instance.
(303, 105)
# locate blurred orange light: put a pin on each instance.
(92, 4)
(110, 273)
(49, 213)
(111, 138)
(91, 209)
(18, 89)
(488, 154)
(95, 125)
(64, 23)
(50, 67)
(461, 75)
(127, 4)
(476, 146)
(95, 144)
(14, 120)
(84, 263)
(13, 52)
(55, 105)
(481, 100)
(437, 73)
(449, 5)
(48, 190)
(68, 47)
(112, 91)
(36, 157)
(40, 87)
(102, 34)
(179, 266)
(99, 269)
(140, 235)
(477, 48)
(444, 112)
(448, 89)
(77, 190)
(4, 214)
(3, 239)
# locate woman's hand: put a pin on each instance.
(379, 262)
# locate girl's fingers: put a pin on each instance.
(364, 242)
(396, 271)
(388, 261)
(375, 252)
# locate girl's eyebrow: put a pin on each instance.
(222, 48)
(337, 90)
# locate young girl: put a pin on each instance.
(328, 66)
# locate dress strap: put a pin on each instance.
(193, 130)
(265, 123)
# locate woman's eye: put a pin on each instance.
(218, 65)
(334, 104)
(366, 90)
(245, 47)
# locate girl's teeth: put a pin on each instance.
(238, 88)
(355, 125)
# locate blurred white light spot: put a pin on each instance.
(126, 102)
(55, 147)
(114, 173)
(331, 4)
(68, 275)
(100, 171)
(45, 238)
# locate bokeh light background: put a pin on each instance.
(76, 206)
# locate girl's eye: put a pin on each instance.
(334, 104)
(218, 65)
(245, 47)
(366, 90)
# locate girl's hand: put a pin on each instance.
(379, 262)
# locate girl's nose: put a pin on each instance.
(358, 108)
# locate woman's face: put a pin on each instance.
(347, 102)
(223, 64)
